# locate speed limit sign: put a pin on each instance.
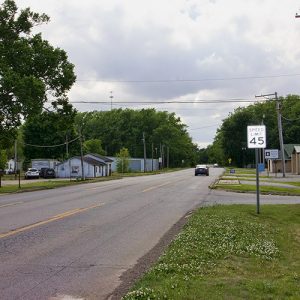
(256, 136)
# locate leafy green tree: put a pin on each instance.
(3, 159)
(32, 72)
(231, 138)
(93, 146)
(50, 129)
(123, 161)
(124, 128)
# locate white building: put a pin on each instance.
(94, 165)
(44, 163)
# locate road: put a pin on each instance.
(77, 241)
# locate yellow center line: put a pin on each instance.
(155, 187)
(11, 204)
(52, 219)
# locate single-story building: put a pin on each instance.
(137, 164)
(94, 165)
(275, 165)
(296, 160)
(44, 163)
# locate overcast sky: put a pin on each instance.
(170, 50)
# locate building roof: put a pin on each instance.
(93, 162)
(297, 149)
(104, 158)
(288, 150)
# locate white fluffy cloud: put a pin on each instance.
(117, 40)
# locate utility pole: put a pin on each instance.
(152, 150)
(145, 157)
(168, 154)
(81, 155)
(111, 99)
(279, 129)
(280, 134)
(16, 159)
(69, 158)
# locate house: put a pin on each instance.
(44, 163)
(295, 161)
(275, 165)
(94, 165)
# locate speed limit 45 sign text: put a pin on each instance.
(256, 136)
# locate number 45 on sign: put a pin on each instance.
(256, 136)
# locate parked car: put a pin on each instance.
(201, 170)
(216, 165)
(47, 173)
(32, 173)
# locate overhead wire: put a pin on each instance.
(189, 80)
(51, 146)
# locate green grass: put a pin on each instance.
(229, 252)
(264, 189)
(51, 184)
(239, 171)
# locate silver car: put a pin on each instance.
(32, 173)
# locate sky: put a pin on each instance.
(175, 51)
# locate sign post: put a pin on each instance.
(256, 136)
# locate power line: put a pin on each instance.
(51, 146)
(204, 127)
(189, 80)
(237, 100)
(290, 120)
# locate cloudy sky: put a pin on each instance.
(179, 50)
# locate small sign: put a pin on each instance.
(256, 136)
(261, 167)
(271, 154)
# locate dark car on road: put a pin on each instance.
(201, 170)
(47, 173)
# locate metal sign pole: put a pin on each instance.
(257, 181)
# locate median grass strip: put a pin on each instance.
(264, 189)
(229, 252)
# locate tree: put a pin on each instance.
(124, 128)
(231, 138)
(3, 159)
(123, 160)
(32, 72)
(50, 129)
(93, 146)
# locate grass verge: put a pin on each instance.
(264, 189)
(50, 184)
(229, 252)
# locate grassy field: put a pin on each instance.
(229, 252)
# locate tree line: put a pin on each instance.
(230, 142)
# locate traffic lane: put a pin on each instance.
(77, 255)
(17, 211)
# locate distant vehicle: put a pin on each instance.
(47, 173)
(32, 173)
(201, 170)
(216, 165)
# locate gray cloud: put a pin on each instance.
(157, 40)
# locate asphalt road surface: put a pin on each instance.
(76, 242)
